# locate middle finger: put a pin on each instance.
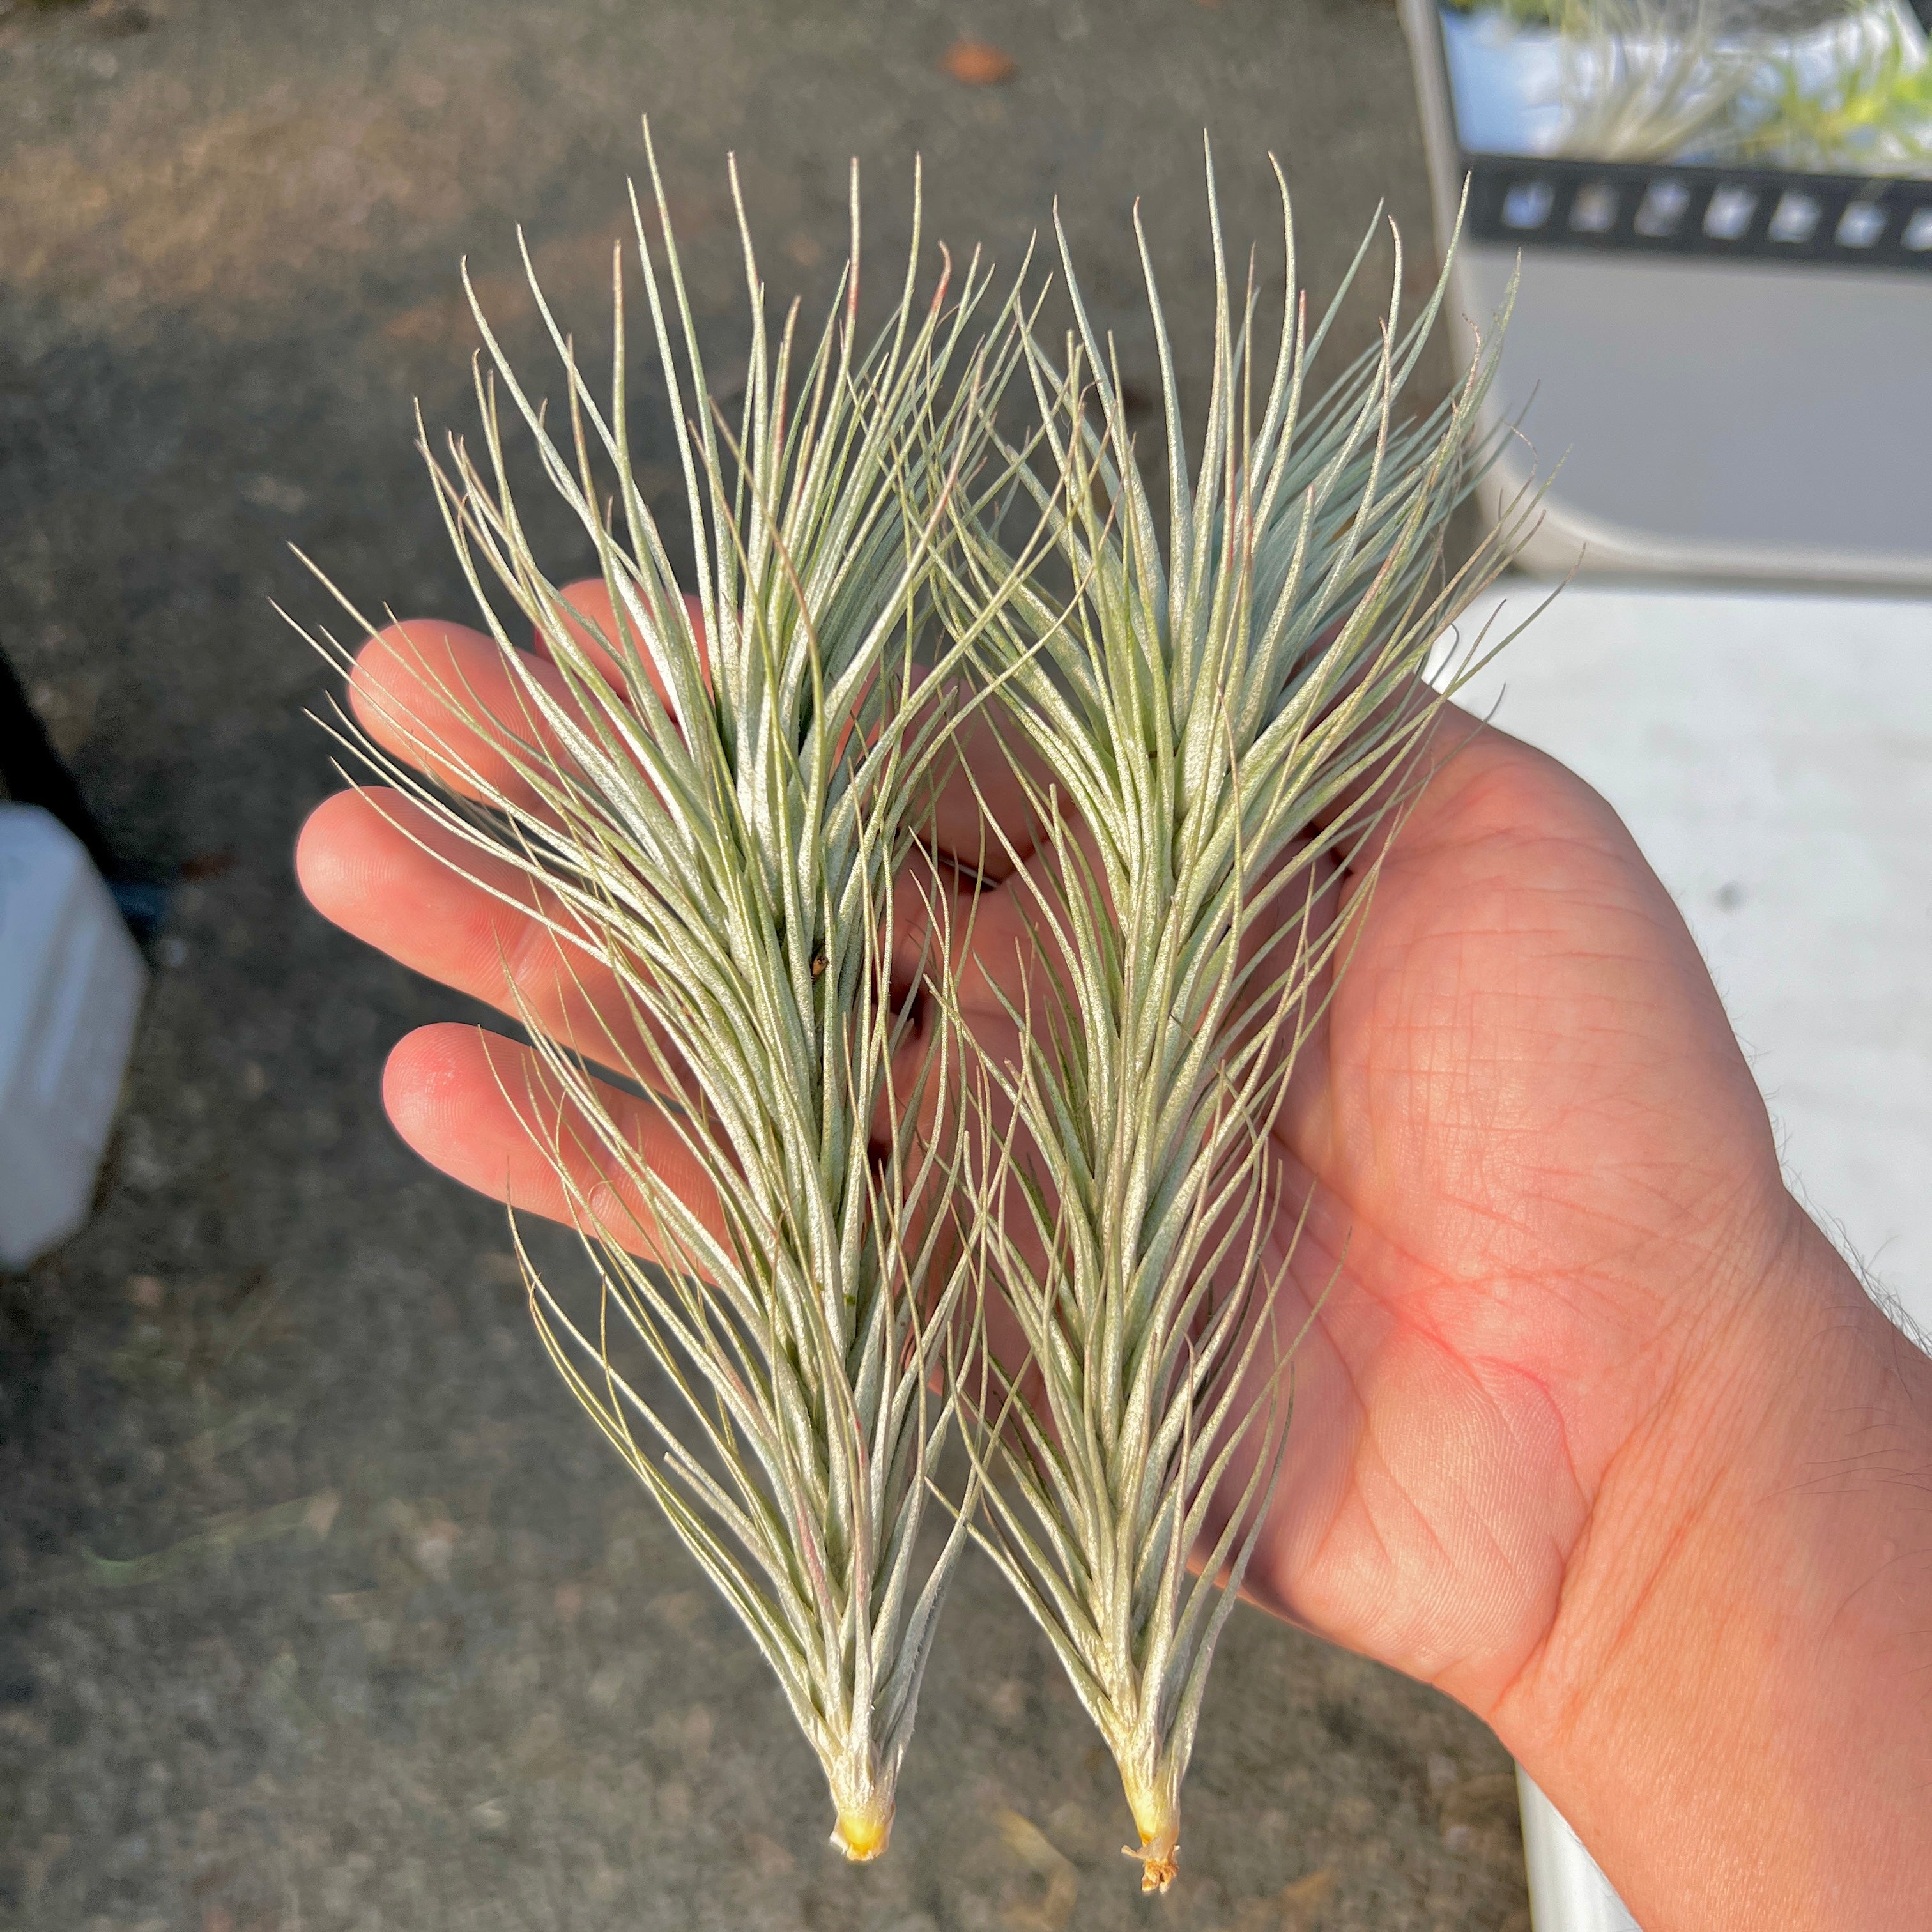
(384, 869)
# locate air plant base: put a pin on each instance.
(1155, 1804)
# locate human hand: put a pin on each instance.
(1593, 1428)
(1555, 1278)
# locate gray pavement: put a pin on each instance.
(321, 1605)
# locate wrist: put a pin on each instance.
(1731, 1706)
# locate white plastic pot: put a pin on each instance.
(70, 986)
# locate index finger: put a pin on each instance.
(454, 702)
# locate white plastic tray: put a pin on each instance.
(1761, 421)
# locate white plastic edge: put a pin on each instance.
(1567, 1892)
(1564, 540)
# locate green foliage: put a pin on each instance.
(1645, 80)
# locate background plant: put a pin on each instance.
(1642, 81)
(1824, 84)
(1872, 114)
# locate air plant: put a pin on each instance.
(710, 800)
(1644, 81)
(1870, 112)
(1817, 85)
(1205, 733)
(710, 805)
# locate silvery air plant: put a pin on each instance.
(713, 800)
(886, 1223)
(1221, 718)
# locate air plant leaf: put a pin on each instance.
(1207, 728)
(711, 803)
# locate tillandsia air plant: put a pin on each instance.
(825, 1221)
(1643, 81)
(1871, 113)
(708, 800)
(1213, 727)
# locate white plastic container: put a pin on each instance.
(1754, 419)
(70, 986)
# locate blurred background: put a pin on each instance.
(320, 1604)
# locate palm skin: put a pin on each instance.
(1540, 1164)
(1543, 1194)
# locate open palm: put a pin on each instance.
(1542, 1172)
(1539, 1164)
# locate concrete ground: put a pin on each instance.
(320, 1604)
